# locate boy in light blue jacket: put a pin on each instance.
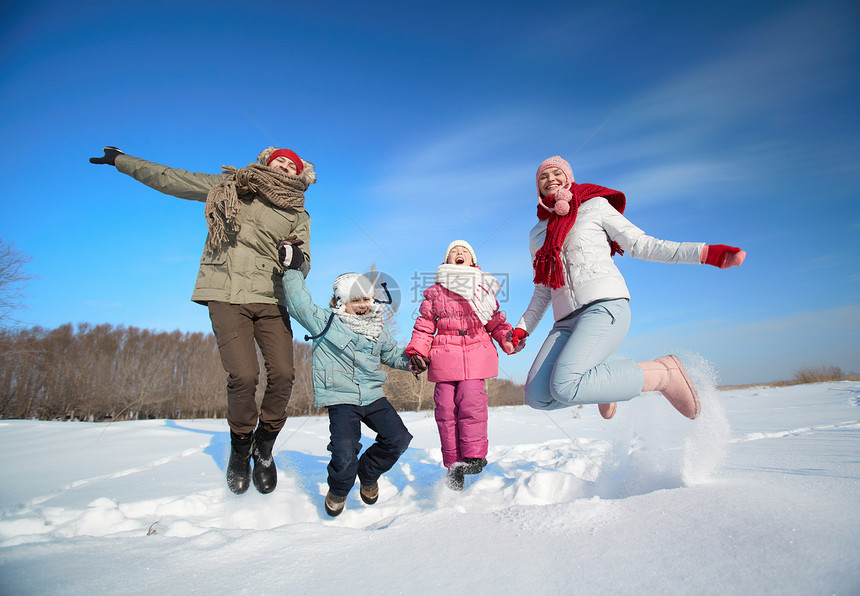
(350, 340)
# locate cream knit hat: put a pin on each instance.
(465, 245)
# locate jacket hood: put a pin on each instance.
(308, 173)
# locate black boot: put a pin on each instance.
(265, 472)
(239, 467)
(474, 465)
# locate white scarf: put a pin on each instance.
(478, 288)
(369, 325)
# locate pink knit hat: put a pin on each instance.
(553, 162)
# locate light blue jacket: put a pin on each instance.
(346, 365)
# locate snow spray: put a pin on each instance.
(706, 446)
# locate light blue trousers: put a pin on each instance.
(570, 368)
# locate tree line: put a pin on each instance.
(105, 372)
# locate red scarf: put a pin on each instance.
(549, 270)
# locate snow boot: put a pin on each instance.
(239, 466)
(265, 471)
(334, 504)
(607, 410)
(667, 375)
(369, 493)
(473, 465)
(454, 478)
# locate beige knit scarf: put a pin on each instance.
(224, 201)
(369, 325)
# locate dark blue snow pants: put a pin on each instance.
(392, 439)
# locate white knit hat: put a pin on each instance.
(349, 286)
(465, 245)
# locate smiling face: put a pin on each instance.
(358, 306)
(551, 180)
(283, 164)
(459, 255)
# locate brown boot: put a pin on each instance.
(334, 504)
(369, 493)
(607, 410)
(667, 375)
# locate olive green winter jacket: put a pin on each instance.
(245, 272)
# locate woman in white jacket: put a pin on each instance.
(580, 227)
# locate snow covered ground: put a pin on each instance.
(759, 496)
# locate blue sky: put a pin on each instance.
(723, 122)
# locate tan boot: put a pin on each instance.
(667, 375)
(607, 410)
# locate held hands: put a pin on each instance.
(507, 344)
(418, 364)
(109, 157)
(289, 254)
(722, 256)
(517, 339)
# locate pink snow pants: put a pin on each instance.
(461, 415)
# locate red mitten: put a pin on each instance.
(519, 337)
(722, 256)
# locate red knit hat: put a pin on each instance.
(289, 155)
(553, 162)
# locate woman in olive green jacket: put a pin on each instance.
(248, 212)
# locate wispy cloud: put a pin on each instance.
(693, 130)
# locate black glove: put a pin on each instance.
(109, 156)
(289, 254)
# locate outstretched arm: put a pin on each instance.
(640, 245)
(172, 181)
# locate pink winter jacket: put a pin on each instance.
(462, 348)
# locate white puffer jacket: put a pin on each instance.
(589, 271)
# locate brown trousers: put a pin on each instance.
(236, 328)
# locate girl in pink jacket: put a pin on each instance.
(452, 338)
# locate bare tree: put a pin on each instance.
(12, 279)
